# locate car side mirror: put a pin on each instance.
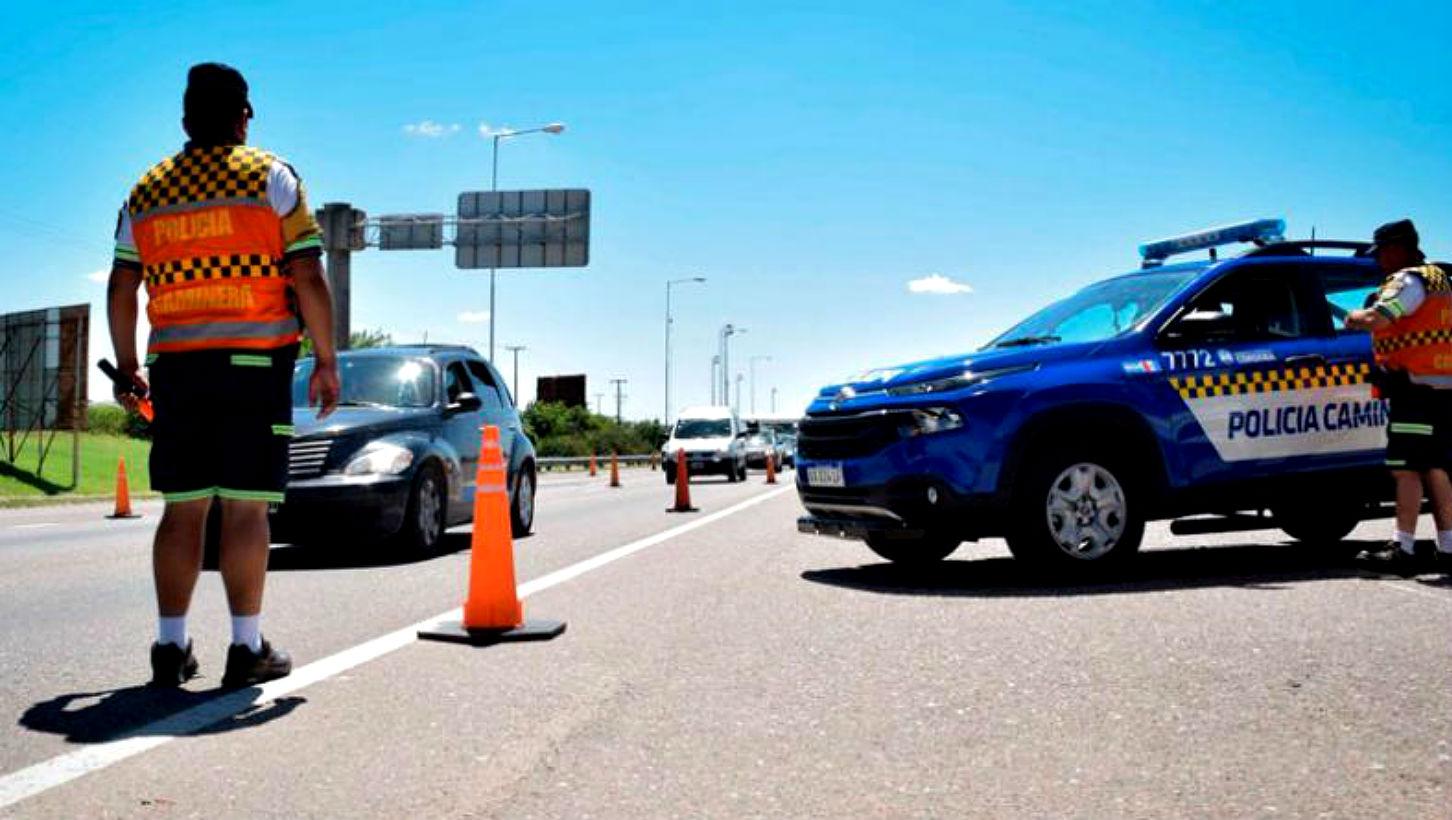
(465, 403)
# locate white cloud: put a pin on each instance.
(486, 130)
(100, 277)
(937, 283)
(431, 129)
(474, 317)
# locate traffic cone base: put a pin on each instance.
(456, 632)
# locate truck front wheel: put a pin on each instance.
(1076, 507)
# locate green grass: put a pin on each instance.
(98, 454)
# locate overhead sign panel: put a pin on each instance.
(408, 232)
(523, 229)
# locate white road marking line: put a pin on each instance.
(34, 526)
(48, 774)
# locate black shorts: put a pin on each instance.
(1419, 429)
(223, 423)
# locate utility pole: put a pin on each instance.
(599, 404)
(515, 350)
(619, 396)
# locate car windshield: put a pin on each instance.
(373, 381)
(1100, 311)
(703, 428)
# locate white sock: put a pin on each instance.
(247, 630)
(1407, 541)
(172, 630)
(1444, 542)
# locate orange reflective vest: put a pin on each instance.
(1418, 343)
(211, 246)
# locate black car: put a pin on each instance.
(399, 456)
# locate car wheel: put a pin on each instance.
(1076, 507)
(741, 476)
(913, 552)
(521, 509)
(1321, 525)
(423, 521)
(670, 475)
(733, 475)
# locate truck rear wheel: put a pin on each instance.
(1076, 507)
(913, 552)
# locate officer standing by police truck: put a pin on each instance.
(223, 239)
(1411, 327)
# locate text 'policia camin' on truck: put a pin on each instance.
(1186, 388)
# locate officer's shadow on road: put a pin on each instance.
(1258, 566)
(142, 711)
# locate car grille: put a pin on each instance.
(854, 436)
(306, 459)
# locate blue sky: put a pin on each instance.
(810, 159)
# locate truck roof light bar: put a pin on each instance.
(1259, 231)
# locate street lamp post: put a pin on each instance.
(773, 401)
(727, 331)
(515, 350)
(669, 321)
(737, 406)
(552, 128)
(753, 361)
(715, 378)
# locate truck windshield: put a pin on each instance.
(703, 428)
(373, 381)
(1100, 311)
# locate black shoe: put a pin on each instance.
(1391, 559)
(245, 668)
(171, 666)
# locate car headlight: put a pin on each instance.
(380, 458)
(967, 378)
(931, 420)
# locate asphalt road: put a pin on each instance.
(735, 669)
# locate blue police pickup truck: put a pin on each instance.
(1225, 388)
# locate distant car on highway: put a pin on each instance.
(760, 444)
(398, 458)
(1217, 388)
(714, 439)
(785, 429)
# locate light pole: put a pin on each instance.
(669, 321)
(737, 406)
(552, 128)
(727, 331)
(715, 379)
(752, 362)
(619, 396)
(773, 401)
(515, 350)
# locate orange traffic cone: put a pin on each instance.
(614, 470)
(771, 468)
(123, 492)
(683, 485)
(592, 465)
(492, 612)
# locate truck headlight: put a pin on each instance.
(380, 458)
(931, 420)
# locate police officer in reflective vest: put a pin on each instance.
(1411, 328)
(222, 237)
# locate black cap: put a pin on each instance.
(213, 90)
(1402, 232)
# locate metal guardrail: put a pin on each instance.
(583, 462)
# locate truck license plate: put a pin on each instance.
(826, 475)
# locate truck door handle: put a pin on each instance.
(1308, 360)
